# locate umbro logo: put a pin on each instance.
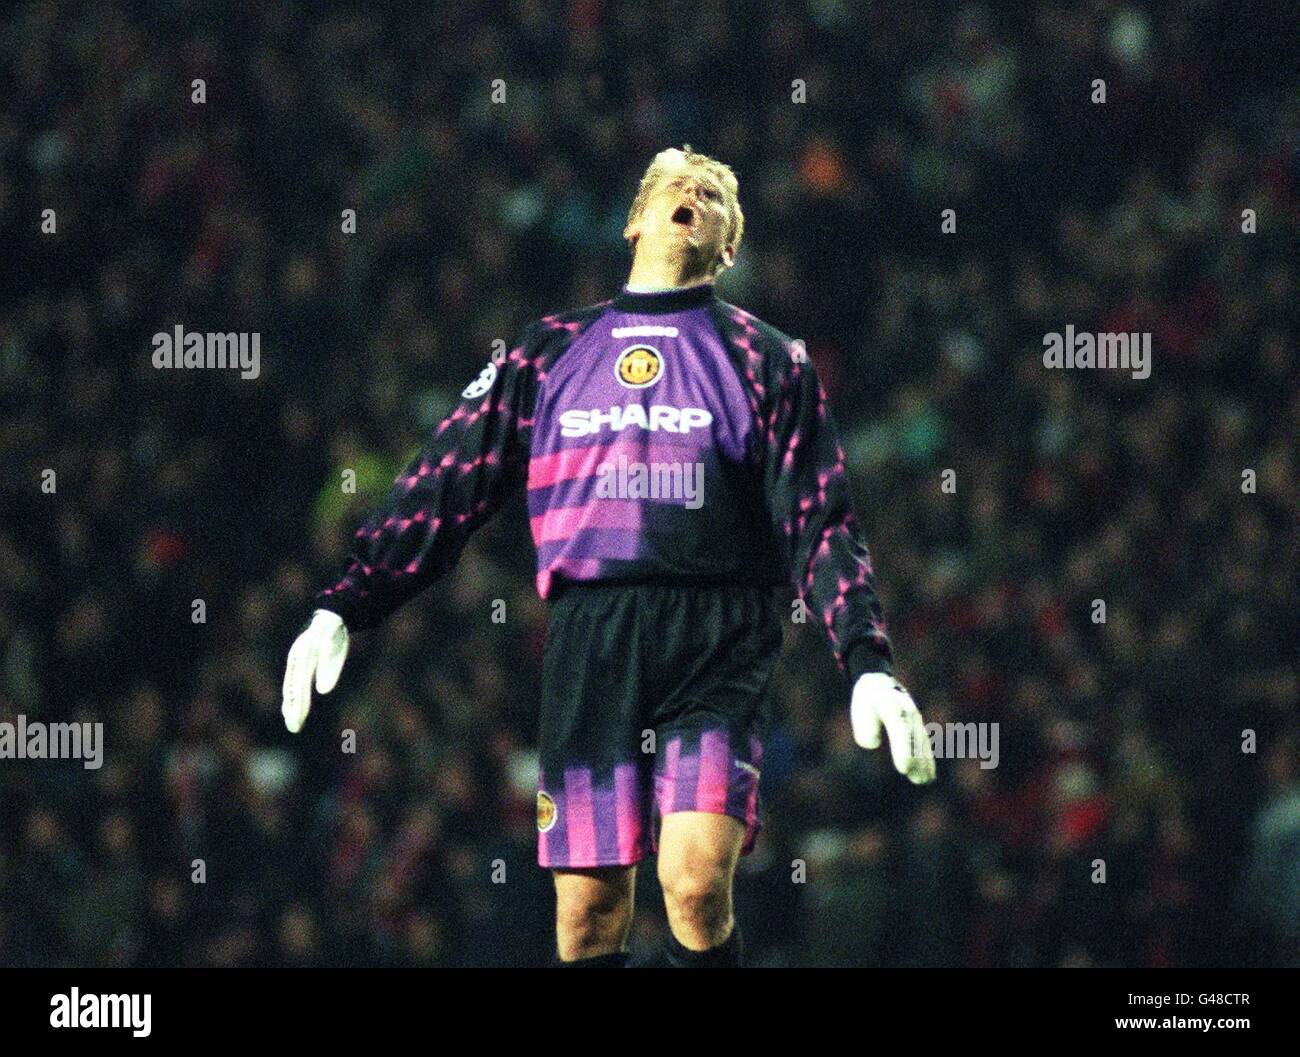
(644, 330)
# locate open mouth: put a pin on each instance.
(683, 215)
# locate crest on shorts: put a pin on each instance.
(638, 366)
(545, 812)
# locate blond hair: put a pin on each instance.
(672, 160)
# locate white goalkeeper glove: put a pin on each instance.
(879, 700)
(318, 652)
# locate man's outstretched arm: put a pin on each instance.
(464, 473)
(808, 498)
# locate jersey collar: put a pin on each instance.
(665, 300)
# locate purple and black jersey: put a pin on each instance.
(663, 438)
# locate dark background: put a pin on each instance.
(1120, 741)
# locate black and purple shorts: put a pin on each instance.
(654, 700)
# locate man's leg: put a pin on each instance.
(719, 646)
(698, 852)
(593, 915)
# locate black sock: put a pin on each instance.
(726, 955)
(615, 960)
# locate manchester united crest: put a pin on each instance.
(639, 366)
(545, 812)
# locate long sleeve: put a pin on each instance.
(475, 457)
(808, 498)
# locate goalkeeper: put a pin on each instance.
(680, 462)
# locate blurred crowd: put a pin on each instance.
(1159, 747)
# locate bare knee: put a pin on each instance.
(593, 911)
(697, 859)
(697, 897)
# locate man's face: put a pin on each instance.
(685, 215)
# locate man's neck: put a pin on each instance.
(655, 276)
